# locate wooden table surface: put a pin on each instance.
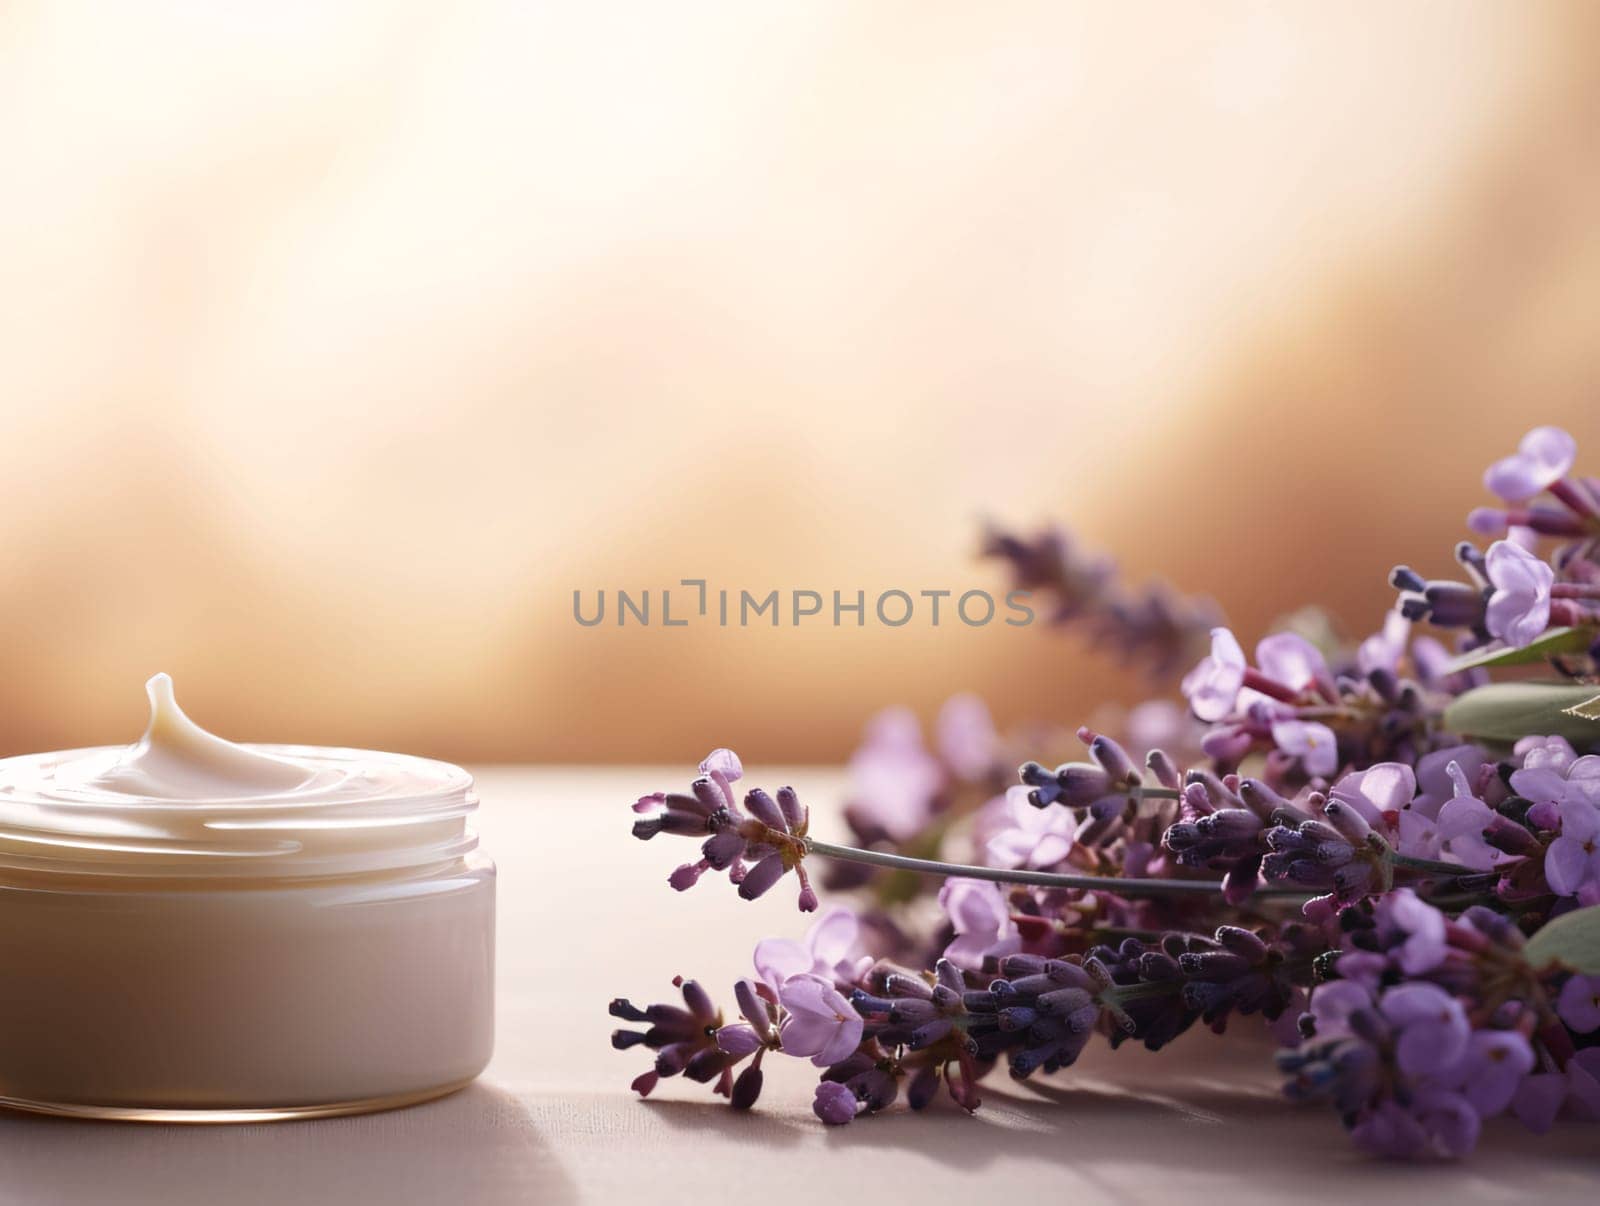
(585, 915)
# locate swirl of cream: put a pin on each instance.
(183, 802)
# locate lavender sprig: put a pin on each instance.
(1134, 899)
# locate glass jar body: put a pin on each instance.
(179, 1001)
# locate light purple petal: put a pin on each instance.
(1424, 948)
(1583, 780)
(1212, 687)
(1450, 1121)
(1384, 787)
(804, 1035)
(1542, 785)
(833, 938)
(725, 762)
(1538, 1100)
(1519, 608)
(1551, 753)
(1580, 820)
(1579, 1003)
(1332, 1004)
(1496, 1061)
(1432, 1024)
(1314, 744)
(1290, 659)
(777, 959)
(1543, 458)
(846, 1038)
(1388, 1131)
(1566, 865)
(966, 736)
(1382, 650)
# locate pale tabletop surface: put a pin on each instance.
(584, 915)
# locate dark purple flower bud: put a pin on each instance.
(765, 809)
(747, 1088)
(1080, 784)
(1213, 965)
(1242, 942)
(1454, 604)
(1227, 744)
(1350, 823)
(834, 1104)
(1261, 799)
(794, 812)
(927, 1035)
(1164, 769)
(720, 849)
(1239, 884)
(1111, 758)
(1014, 966)
(924, 1084)
(711, 797)
(1403, 577)
(1505, 834)
(761, 877)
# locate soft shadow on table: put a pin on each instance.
(477, 1146)
(1203, 1132)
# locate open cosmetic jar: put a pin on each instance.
(194, 930)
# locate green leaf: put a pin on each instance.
(1508, 712)
(1557, 640)
(1572, 939)
(1589, 709)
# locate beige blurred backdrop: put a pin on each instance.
(340, 343)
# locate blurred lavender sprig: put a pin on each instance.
(1154, 625)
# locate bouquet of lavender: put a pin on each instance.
(1391, 859)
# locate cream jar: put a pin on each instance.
(194, 930)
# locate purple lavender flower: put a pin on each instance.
(982, 920)
(821, 1023)
(1519, 609)
(1213, 686)
(1153, 624)
(1029, 836)
(1543, 458)
(755, 849)
(1384, 648)
(1572, 864)
(1290, 659)
(1377, 792)
(1405, 1068)
(1312, 743)
(1465, 825)
(834, 1103)
(1542, 1095)
(966, 737)
(684, 1039)
(1431, 1026)
(831, 949)
(1437, 1122)
(1423, 946)
(894, 780)
(1492, 1069)
(755, 1036)
(1579, 1003)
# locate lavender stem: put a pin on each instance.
(1038, 879)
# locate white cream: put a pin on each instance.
(191, 927)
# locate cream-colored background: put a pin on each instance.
(339, 344)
